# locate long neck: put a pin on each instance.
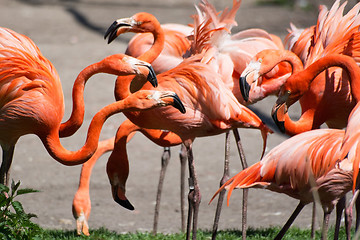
(104, 146)
(292, 59)
(158, 44)
(69, 127)
(125, 86)
(75, 121)
(304, 124)
(53, 145)
(306, 121)
(336, 60)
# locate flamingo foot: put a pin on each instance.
(82, 225)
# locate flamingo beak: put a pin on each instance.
(112, 30)
(279, 110)
(152, 76)
(178, 104)
(244, 88)
(120, 198)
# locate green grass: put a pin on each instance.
(16, 224)
(266, 233)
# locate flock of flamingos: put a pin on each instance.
(176, 83)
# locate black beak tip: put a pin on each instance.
(244, 88)
(279, 124)
(110, 29)
(152, 77)
(124, 203)
(178, 104)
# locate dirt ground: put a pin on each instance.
(70, 34)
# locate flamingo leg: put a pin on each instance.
(357, 207)
(349, 212)
(6, 164)
(183, 158)
(284, 229)
(164, 163)
(313, 222)
(222, 181)
(194, 194)
(325, 225)
(339, 210)
(245, 191)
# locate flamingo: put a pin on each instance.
(350, 67)
(299, 166)
(198, 84)
(334, 33)
(235, 50)
(289, 94)
(30, 86)
(81, 203)
(332, 160)
(175, 47)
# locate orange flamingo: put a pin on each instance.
(286, 97)
(81, 202)
(236, 50)
(81, 206)
(198, 84)
(30, 86)
(175, 47)
(296, 167)
(212, 32)
(275, 175)
(334, 33)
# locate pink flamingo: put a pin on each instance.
(175, 47)
(256, 36)
(197, 88)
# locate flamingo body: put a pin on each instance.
(304, 165)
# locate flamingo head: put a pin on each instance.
(263, 76)
(118, 190)
(81, 208)
(291, 91)
(122, 65)
(139, 23)
(149, 99)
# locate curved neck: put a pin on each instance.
(335, 60)
(125, 86)
(118, 163)
(157, 46)
(53, 145)
(305, 123)
(75, 121)
(293, 60)
(279, 56)
(107, 65)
